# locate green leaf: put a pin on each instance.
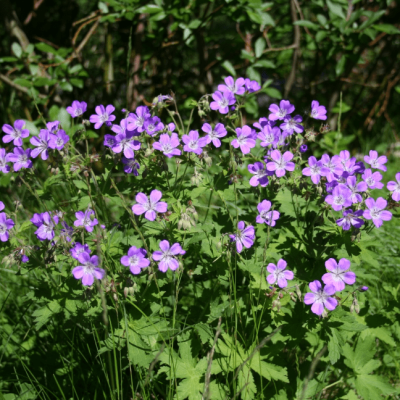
(229, 67)
(102, 7)
(43, 82)
(264, 64)
(149, 9)
(80, 184)
(262, 18)
(321, 35)
(334, 345)
(372, 387)
(77, 82)
(259, 47)
(66, 86)
(43, 315)
(335, 9)
(345, 107)
(46, 48)
(23, 82)
(387, 28)
(307, 24)
(272, 92)
(340, 65)
(17, 49)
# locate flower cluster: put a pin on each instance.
(348, 185)
(335, 281)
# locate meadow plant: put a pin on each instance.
(191, 285)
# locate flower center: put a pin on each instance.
(133, 260)
(78, 112)
(213, 134)
(375, 213)
(3, 229)
(167, 148)
(59, 142)
(151, 127)
(223, 102)
(23, 158)
(104, 117)
(242, 140)
(315, 170)
(370, 181)
(193, 144)
(339, 200)
(281, 112)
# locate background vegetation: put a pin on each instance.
(127, 52)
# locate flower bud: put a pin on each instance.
(298, 292)
(363, 288)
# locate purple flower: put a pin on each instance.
(85, 219)
(338, 276)
(150, 206)
(168, 145)
(251, 86)
(278, 273)
(46, 228)
(222, 101)
(193, 143)
(351, 218)
(263, 122)
(303, 148)
(244, 237)
(235, 87)
(124, 141)
(42, 144)
(292, 124)
(355, 188)
(320, 297)
(37, 220)
(339, 198)
(376, 211)
(3, 162)
(317, 111)
(332, 165)
(2, 206)
(260, 174)
(315, 169)
(103, 115)
(280, 112)
(375, 161)
(24, 259)
(213, 135)
(79, 249)
(109, 140)
(16, 134)
(344, 156)
(52, 127)
(88, 270)
(58, 141)
(372, 179)
(20, 158)
(5, 226)
(268, 135)
(350, 167)
(267, 216)
(76, 109)
(167, 256)
(152, 125)
(131, 166)
(280, 163)
(136, 121)
(66, 232)
(395, 188)
(245, 139)
(135, 260)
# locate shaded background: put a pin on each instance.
(127, 52)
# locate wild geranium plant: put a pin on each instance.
(200, 247)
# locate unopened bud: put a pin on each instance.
(298, 292)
